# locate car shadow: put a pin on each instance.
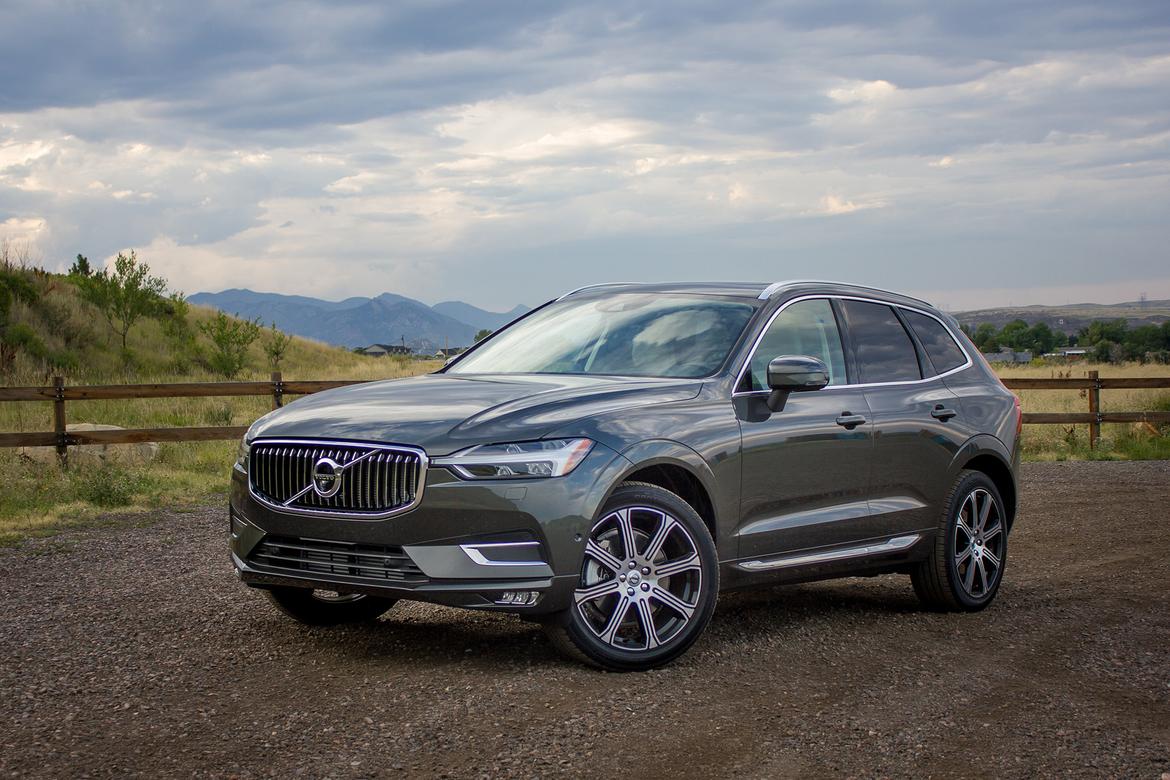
(442, 636)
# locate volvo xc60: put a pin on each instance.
(611, 461)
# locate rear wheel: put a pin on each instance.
(648, 585)
(966, 564)
(326, 607)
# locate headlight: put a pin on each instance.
(242, 455)
(552, 458)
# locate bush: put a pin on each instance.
(107, 486)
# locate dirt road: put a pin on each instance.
(132, 650)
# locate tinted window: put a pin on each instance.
(885, 352)
(804, 328)
(940, 346)
(630, 334)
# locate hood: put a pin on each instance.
(443, 413)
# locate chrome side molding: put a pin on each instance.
(897, 544)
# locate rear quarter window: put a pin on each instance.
(944, 353)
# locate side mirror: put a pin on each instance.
(794, 374)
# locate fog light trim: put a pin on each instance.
(479, 553)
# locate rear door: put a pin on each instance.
(805, 467)
(915, 432)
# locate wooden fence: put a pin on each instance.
(59, 393)
(1093, 384)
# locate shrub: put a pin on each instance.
(107, 486)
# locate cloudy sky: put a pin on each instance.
(500, 152)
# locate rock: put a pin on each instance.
(97, 454)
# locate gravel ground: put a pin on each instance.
(131, 650)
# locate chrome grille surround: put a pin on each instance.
(378, 481)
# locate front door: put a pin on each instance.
(806, 467)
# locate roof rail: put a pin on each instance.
(775, 287)
(591, 286)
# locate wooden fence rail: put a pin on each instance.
(1094, 417)
(61, 438)
(58, 393)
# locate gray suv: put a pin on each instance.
(611, 461)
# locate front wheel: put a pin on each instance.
(648, 585)
(326, 607)
(966, 564)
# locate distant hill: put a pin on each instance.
(477, 317)
(386, 319)
(1072, 317)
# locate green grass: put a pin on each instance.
(41, 499)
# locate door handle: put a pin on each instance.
(850, 421)
(940, 412)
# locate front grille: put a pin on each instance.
(376, 479)
(376, 563)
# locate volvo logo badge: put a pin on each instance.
(327, 477)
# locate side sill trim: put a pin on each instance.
(897, 544)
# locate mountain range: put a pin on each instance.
(396, 319)
(358, 321)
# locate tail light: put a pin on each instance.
(1019, 417)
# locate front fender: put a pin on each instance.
(722, 489)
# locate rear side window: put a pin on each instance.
(885, 352)
(945, 355)
(804, 328)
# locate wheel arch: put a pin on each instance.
(679, 469)
(988, 455)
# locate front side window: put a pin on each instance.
(884, 350)
(804, 328)
(627, 334)
(945, 355)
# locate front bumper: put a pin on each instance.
(448, 539)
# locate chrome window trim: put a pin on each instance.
(591, 286)
(839, 297)
(423, 463)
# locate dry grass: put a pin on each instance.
(42, 499)
(1118, 441)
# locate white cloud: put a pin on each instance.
(510, 158)
(863, 92)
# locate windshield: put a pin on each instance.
(630, 334)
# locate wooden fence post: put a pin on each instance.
(1095, 409)
(59, 421)
(277, 390)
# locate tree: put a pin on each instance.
(483, 334)
(1014, 335)
(230, 339)
(275, 346)
(986, 338)
(80, 267)
(126, 295)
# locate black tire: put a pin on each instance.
(677, 600)
(315, 608)
(947, 581)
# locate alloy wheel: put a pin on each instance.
(641, 581)
(978, 543)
